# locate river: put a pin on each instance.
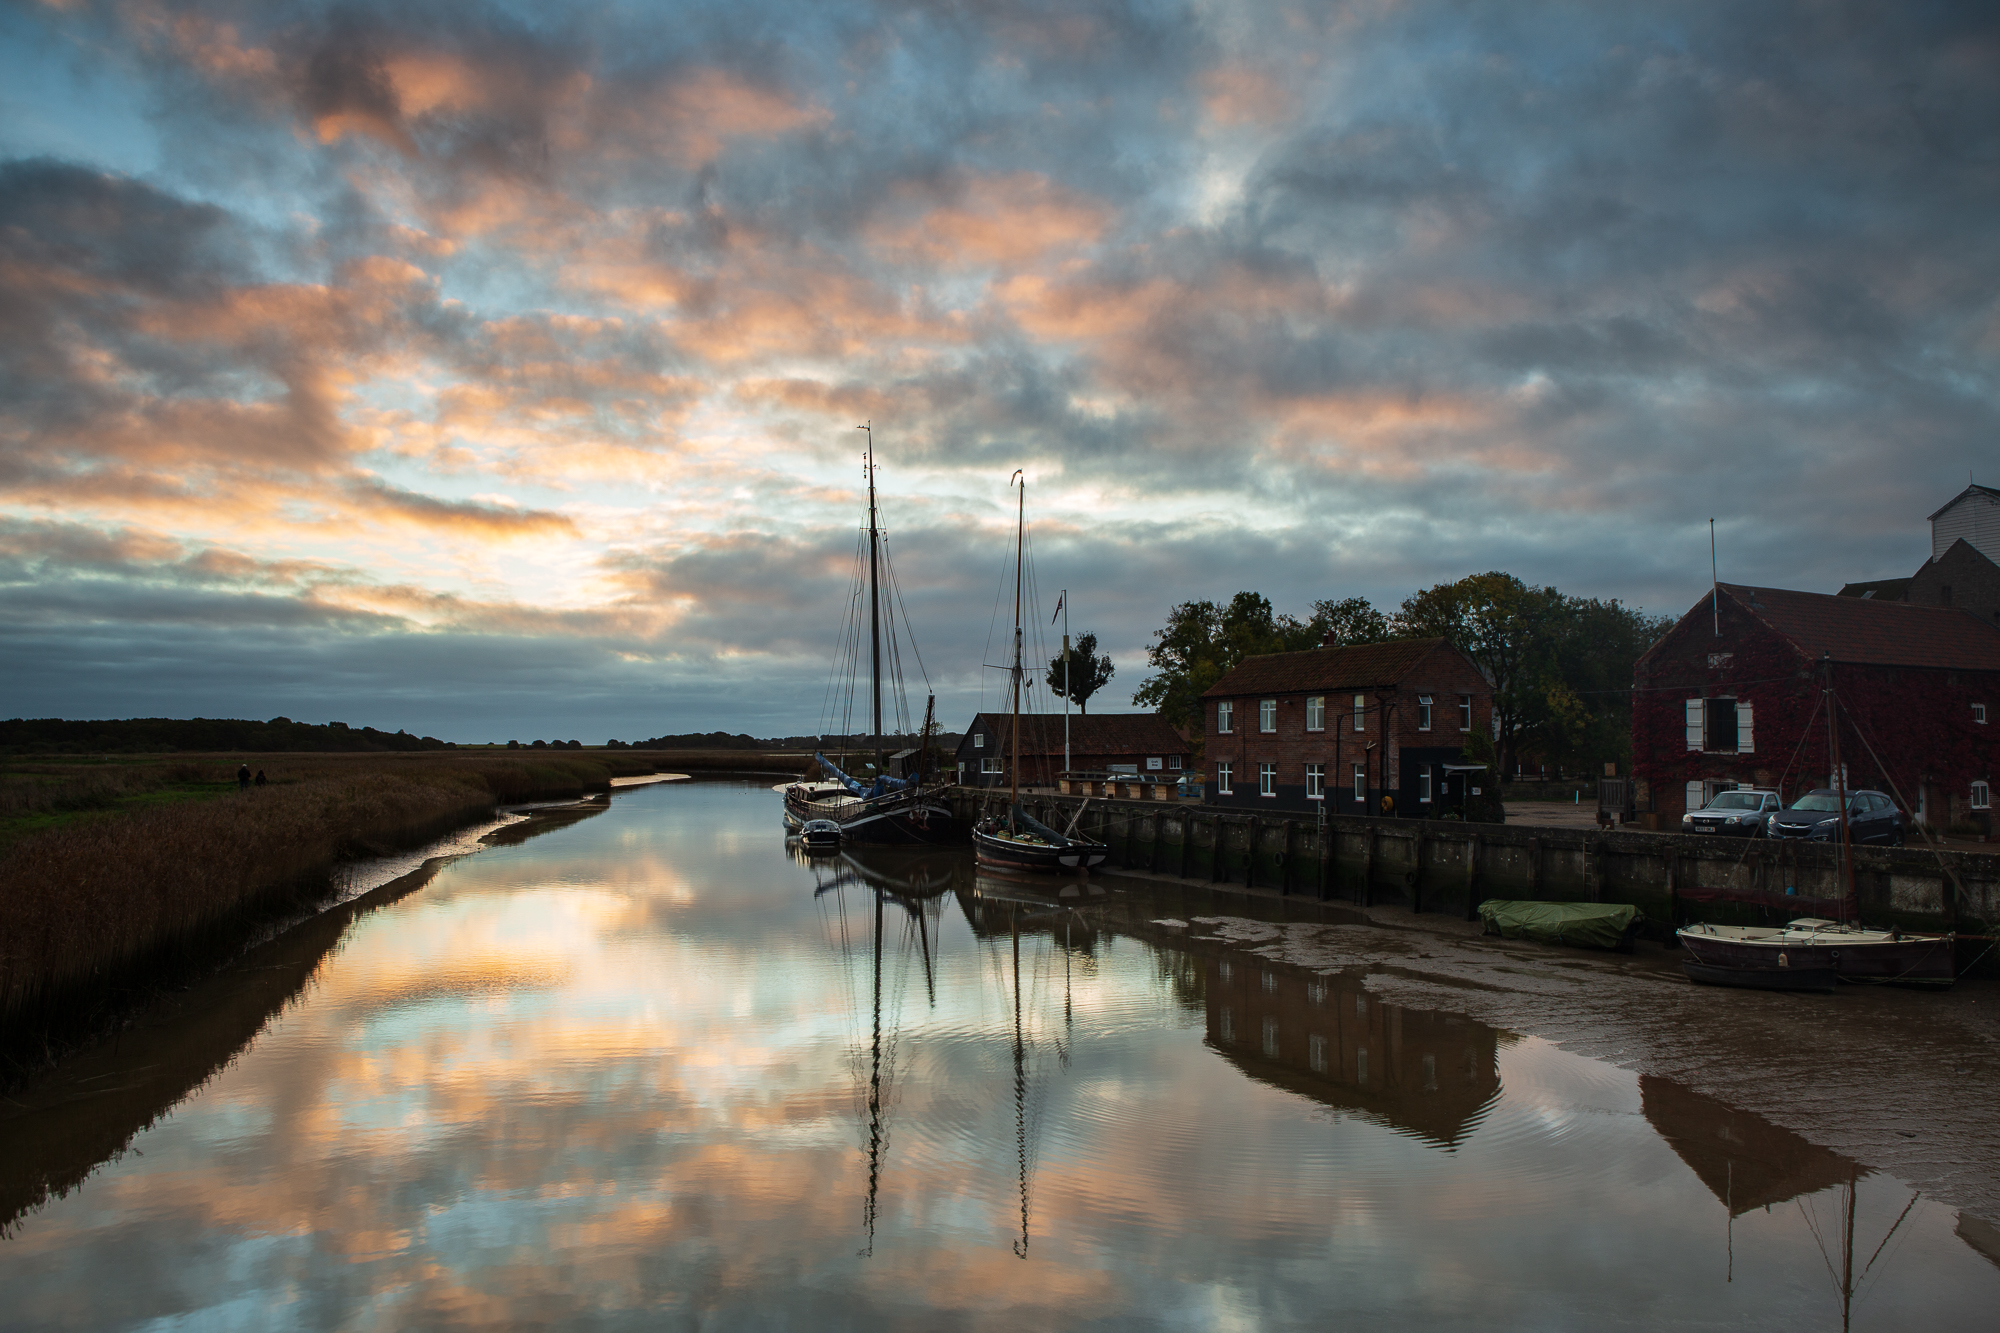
(653, 1069)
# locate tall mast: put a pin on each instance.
(1066, 678)
(1840, 794)
(874, 601)
(1020, 531)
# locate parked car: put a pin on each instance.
(1871, 817)
(1740, 813)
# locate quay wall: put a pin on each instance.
(1446, 866)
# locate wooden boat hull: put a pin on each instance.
(921, 820)
(1006, 854)
(1858, 956)
(1820, 979)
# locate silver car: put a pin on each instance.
(1741, 812)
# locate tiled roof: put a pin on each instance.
(1357, 666)
(1869, 632)
(1881, 590)
(1094, 733)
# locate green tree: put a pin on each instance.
(1350, 620)
(1202, 640)
(1509, 630)
(1083, 675)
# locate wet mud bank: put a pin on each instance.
(1901, 1081)
(80, 1017)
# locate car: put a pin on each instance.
(1815, 816)
(1740, 813)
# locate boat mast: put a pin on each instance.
(1020, 530)
(874, 602)
(1840, 793)
(1066, 668)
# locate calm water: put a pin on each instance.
(651, 1070)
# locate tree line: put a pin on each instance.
(1560, 666)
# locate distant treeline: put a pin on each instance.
(203, 735)
(725, 740)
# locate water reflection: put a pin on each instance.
(654, 1071)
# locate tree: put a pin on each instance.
(1084, 675)
(1508, 629)
(1202, 640)
(1350, 620)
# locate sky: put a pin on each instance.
(491, 370)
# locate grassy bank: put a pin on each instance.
(120, 876)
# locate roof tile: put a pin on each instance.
(1871, 632)
(1356, 666)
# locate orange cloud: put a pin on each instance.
(1235, 94)
(1001, 220)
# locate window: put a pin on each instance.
(1267, 715)
(1267, 779)
(1979, 714)
(1316, 712)
(1982, 796)
(1361, 712)
(1225, 1024)
(1225, 712)
(1316, 1053)
(989, 764)
(1360, 783)
(1271, 1038)
(978, 740)
(1465, 712)
(1423, 712)
(1721, 726)
(1174, 763)
(1361, 1064)
(1424, 783)
(1222, 786)
(1315, 782)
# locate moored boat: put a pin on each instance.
(1016, 841)
(820, 835)
(1781, 977)
(1850, 953)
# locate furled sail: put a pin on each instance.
(882, 785)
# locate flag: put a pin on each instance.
(1059, 602)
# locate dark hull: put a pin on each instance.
(1763, 978)
(1926, 961)
(918, 821)
(1004, 854)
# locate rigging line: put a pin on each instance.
(896, 590)
(834, 666)
(1884, 771)
(1885, 1239)
(1812, 1224)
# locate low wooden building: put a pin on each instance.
(1138, 743)
(1733, 695)
(1345, 727)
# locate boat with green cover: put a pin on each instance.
(1586, 925)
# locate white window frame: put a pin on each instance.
(1267, 715)
(1316, 712)
(1267, 779)
(1360, 782)
(978, 740)
(1315, 782)
(1224, 774)
(1423, 712)
(1979, 714)
(1982, 795)
(1424, 785)
(1696, 719)
(1361, 712)
(1225, 716)
(1465, 712)
(1173, 763)
(990, 764)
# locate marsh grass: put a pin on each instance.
(146, 872)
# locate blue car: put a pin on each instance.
(1815, 817)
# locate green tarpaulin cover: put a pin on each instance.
(1589, 925)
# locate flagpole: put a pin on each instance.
(1063, 601)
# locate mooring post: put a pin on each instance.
(1472, 877)
(1368, 866)
(1285, 858)
(1417, 871)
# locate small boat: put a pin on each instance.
(1852, 954)
(1016, 841)
(1782, 977)
(820, 835)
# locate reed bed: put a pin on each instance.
(132, 896)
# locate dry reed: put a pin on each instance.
(130, 895)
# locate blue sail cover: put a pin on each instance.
(882, 786)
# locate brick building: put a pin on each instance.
(1098, 743)
(1918, 689)
(1343, 727)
